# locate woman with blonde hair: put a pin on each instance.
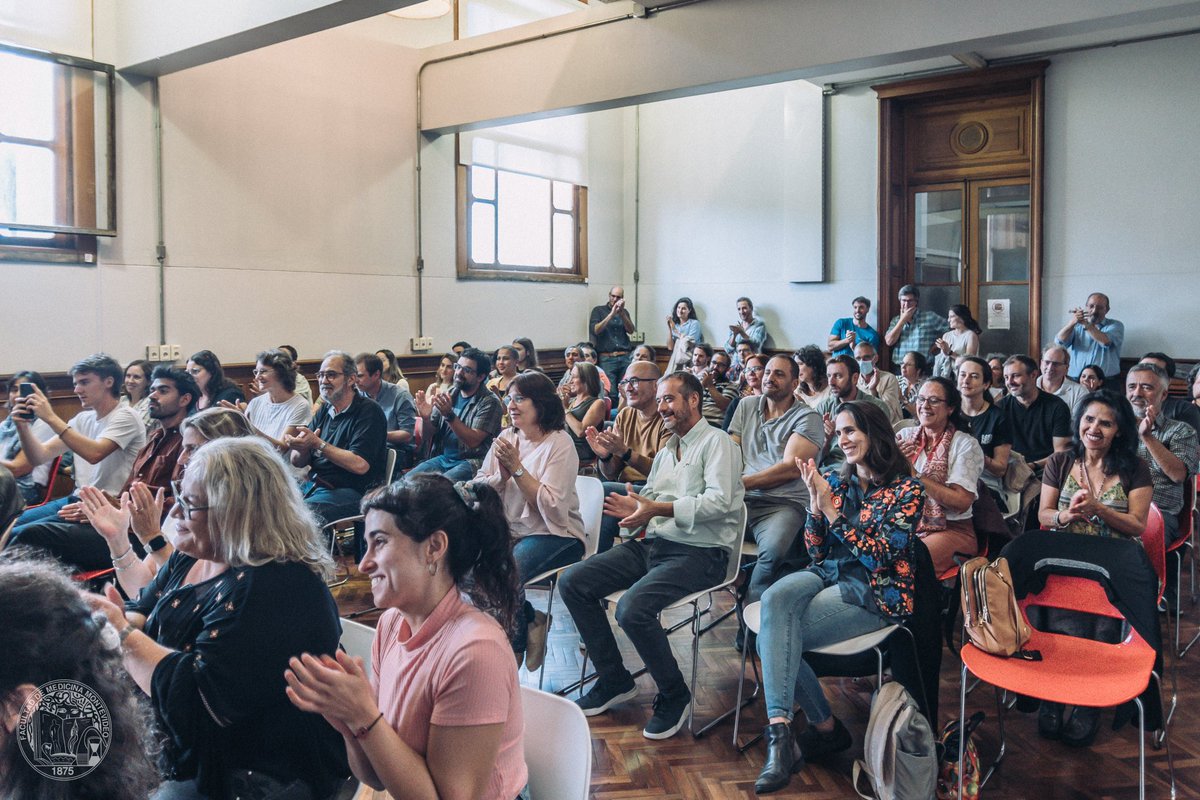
(208, 639)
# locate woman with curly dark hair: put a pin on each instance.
(814, 386)
(50, 634)
(444, 716)
(205, 368)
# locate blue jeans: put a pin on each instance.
(610, 528)
(615, 367)
(656, 572)
(534, 555)
(456, 469)
(799, 612)
(47, 512)
(773, 527)
(334, 504)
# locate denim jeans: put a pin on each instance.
(656, 572)
(610, 528)
(773, 527)
(799, 612)
(615, 367)
(334, 504)
(453, 468)
(534, 555)
(44, 512)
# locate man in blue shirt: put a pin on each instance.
(913, 329)
(849, 332)
(397, 405)
(1092, 338)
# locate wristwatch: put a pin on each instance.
(157, 543)
(519, 473)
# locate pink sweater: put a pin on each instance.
(456, 670)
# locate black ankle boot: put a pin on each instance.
(1050, 720)
(783, 759)
(1080, 730)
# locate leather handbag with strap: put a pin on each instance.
(991, 618)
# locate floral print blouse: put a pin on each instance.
(881, 537)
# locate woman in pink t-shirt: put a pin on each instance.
(441, 716)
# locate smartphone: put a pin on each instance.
(27, 390)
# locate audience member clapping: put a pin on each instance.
(814, 387)
(584, 407)
(507, 360)
(277, 411)
(205, 369)
(961, 340)
(443, 379)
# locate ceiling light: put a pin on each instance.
(430, 9)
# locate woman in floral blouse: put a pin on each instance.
(860, 535)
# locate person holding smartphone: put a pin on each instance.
(31, 479)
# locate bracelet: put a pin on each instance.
(125, 632)
(1057, 521)
(365, 729)
(118, 558)
(607, 458)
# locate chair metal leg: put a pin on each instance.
(1141, 748)
(962, 723)
(549, 622)
(695, 664)
(1003, 742)
(1163, 737)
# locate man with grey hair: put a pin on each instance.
(345, 450)
(1168, 446)
(1055, 360)
(912, 328)
(1091, 337)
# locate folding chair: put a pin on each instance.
(591, 508)
(51, 478)
(1154, 543)
(342, 530)
(1185, 543)
(1068, 670)
(693, 599)
(558, 746)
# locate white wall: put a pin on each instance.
(1122, 189)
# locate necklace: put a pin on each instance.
(1091, 487)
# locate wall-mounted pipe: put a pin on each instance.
(160, 249)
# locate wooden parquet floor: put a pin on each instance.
(627, 766)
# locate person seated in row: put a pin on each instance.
(989, 425)
(391, 369)
(1092, 378)
(527, 357)
(876, 382)
(397, 404)
(584, 408)
(719, 391)
(1168, 446)
(506, 360)
(572, 355)
(441, 714)
(775, 432)
(690, 513)
(136, 388)
(735, 373)
(302, 386)
(208, 639)
(1054, 380)
(849, 332)
(752, 374)
(277, 411)
(643, 352)
(345, 449)
(860, 533)
(996, 362)
(33, 481)
(205, 369)
(443, 377)
(1100, 487)
(842, 373)
(961, 340)
(814, 387)
(533, 469)
(949, 462)
(591, 356)
(145, 513)
(460, 426)
(49, 635)
(71, 539)
(626, 451)
(914, 368)
(1180, 408)
(1041, 422)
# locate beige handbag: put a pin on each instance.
(991, 618)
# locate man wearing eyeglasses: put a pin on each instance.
(627, 451)
(463, 421)
(609, 327)
(68, 536)
(1055, 360)
(345, 450)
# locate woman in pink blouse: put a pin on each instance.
(441, 716)
(533, 468)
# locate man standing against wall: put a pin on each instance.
(609, 327)
(1092, 338)
(912, 328)
(749, 328)
(849, 332)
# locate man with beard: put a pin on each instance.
(463, 421)
(173, 395)
(719, 391)
(748, 328)
(849, 332)
(609, 326)
(774, 431)
(1091, 337)
(685, 523)
(345, 450)
(843, 375)
(1167, 445)
(1041, 422)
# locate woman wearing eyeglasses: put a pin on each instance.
(209, 639)
(533, 467)
(205, 369)
(949, 461)
(278, 410)
(752, 375)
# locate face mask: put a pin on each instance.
(866, 367)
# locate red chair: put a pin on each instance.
(1186, 541)
(1068, 670)
(49, 484)
(1154, 543)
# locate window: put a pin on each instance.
(56, 191)
(522, 202)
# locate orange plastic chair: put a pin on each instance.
(49, 484)
(1067, 672)
(1185, 542)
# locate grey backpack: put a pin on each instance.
(899, 751)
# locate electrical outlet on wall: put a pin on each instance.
(422, 344)
(637, 337)
(153, 353)
(173, 353)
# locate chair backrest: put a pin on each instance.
(558, 746)
(902, 424)
(390, 469)
(1154, 543)
(735, 556)
(356, 640)
(591, 508)
(51, 477)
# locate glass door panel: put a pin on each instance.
(938, 236)
(1002, 250)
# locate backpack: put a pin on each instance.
(991, 618)
(947, 786)
(899, 752)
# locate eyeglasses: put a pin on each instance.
(328, 375)
(1047, 363)
(258, 373)
(753, 370)
(634, 381)
(184, 506)
(516, 399)
(933, 402)
(461, 368)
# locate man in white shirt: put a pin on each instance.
(1055, 360)
(105, 436)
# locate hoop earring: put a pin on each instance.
(432, 565)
